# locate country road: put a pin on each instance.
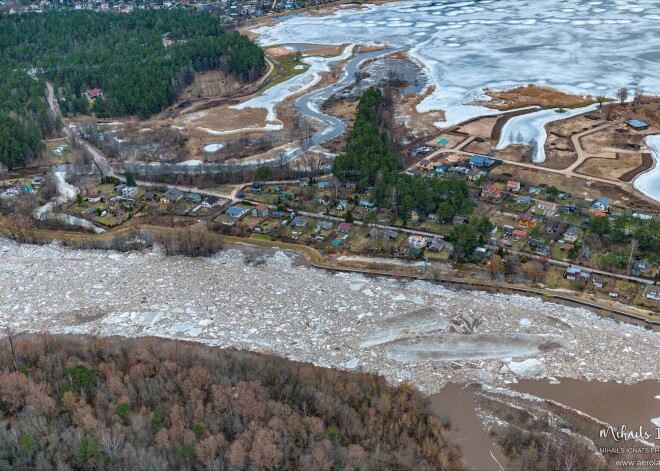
(99, 158)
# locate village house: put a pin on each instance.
(637, 124)
(534, 190)
(171, 196)
(324, 225)
(552, 228)
(260, 210)
(437, 245)
(546, 208)
(417, 244)
(94, 93)
(325, 184)
(598, 281)
(569, 208)
(426, 165)
(323, 200)
(279, 214)
(194, 197)
(527, 219)
(149, 196)
(344, 226)
(351, 187)
(211, 201)
(257, 187)
(95, 198)
(642, 268)
(373, 233)
(574, 273)
(237, 211)
(518, 234)
(512, 185)
(303, 182)
(342, 205)
(433, 217)
(367, 204)
(478, 161)
(413, 216)
(653, 293)
(490, 191)
(392, 234)
(536, 244)
(299, 221)
(572, 234)
(474, 174)
(523, 200)
(601, 204)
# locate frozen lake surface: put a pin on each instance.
(649, 182)
(585, 47)
(529, 129)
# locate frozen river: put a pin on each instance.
(586, 47)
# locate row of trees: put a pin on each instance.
(370, 161)
(90, 403)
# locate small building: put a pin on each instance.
(513, 185)
(260, 210)
(535, 190)
(572, 234)
(342, 205)
(325, 184)
(637, 124)
(413, 216)
(392, 234)
(171, 196)
(129, 191)
(490, 191)
(458, 220)
(351, 187)
(324, 225)
(237, 211)
(601, 204)
(546, 208)
(598, 281)
(574, 273)
(37, 180)
(642, 268)
(299, 221)
(523, 200)
(211, 201)
(119, 188)
(437, 245)
(373, 233)
(552, 229)
(94, 93)
(303, 182)
(91, 211)
(441, 169)
(344, 227)
(527, 219)
(518, 234)
(149, 196)
(194, 197)
(426, 165)
(653, 293)
(474, 174)
(257, 187)
(433, 217)
(536, 244)
(323, 200)
(479, 161)
(279, 214)
(367, 204)
(569, 208)
(95, 198)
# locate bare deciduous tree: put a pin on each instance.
(622, 95)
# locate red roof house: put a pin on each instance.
(94, 93)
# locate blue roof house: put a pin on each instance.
(601, 204)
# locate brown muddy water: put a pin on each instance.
(457, 404)
(617, 404)
(632, 405)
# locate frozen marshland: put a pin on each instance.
(413, 331)
(584, 47)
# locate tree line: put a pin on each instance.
(123, 54)
(105, 403)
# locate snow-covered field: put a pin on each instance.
(649, 182)
(344, 321)
(529, 129)
(585, 47)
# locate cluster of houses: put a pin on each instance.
(473, 167)
(227, 10)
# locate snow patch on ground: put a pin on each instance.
(529, 368)
(649, 182)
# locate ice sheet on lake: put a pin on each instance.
(469, 45)
(529, 129)
(649, 182)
